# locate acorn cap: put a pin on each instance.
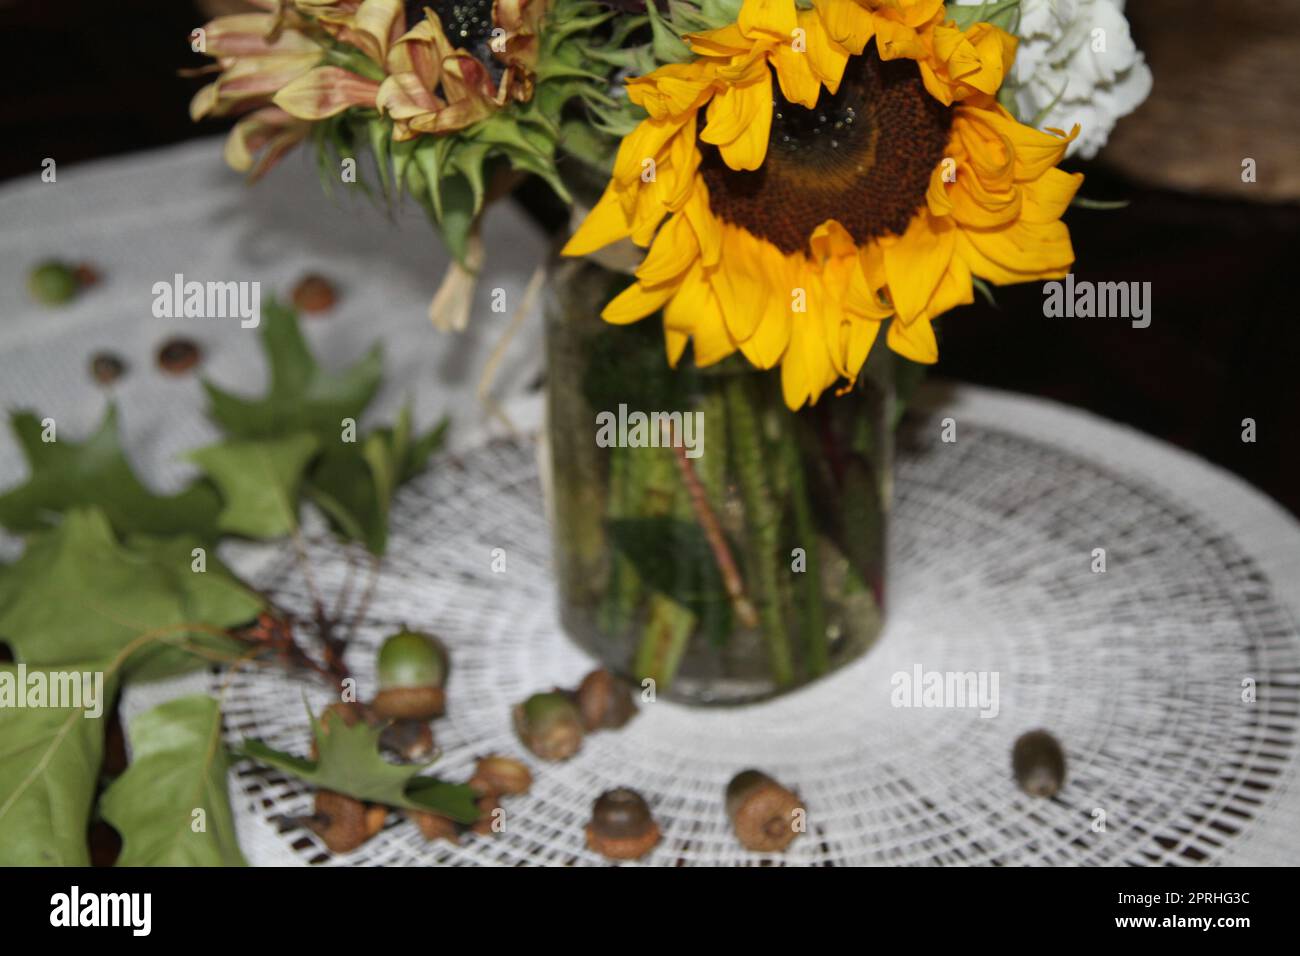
(762, 811)
(622, 827)
(1038, 762)
(549, 725)
(412, 659)
(410, 703)
(500, 775)
(604, 701)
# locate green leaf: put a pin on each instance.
(1001, 13)
(673, 557)
(1083, 202)
(178, 765)
(349, 762)
(77, 594)
(353, 483)
(259, 481)
(302, 397)
(96, 473)
(49, 764)
(668, 46)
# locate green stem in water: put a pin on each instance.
(663, 641)
(762, 521)
(818, 652)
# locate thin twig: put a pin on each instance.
(364, 604)
(708, 520)
(488, 376)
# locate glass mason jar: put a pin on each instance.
(705, 536)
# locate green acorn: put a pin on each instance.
(549, 725)
(412, 672)
(53, 283)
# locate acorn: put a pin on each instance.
(314, 293)
(605, 701)
(549, 725)
(345, 823)
(412, 672)
(488, 805)
(622, 827)
(762, 812)
(178, 355)
(504, 776)
(435, 827)
(106, 368)
(412, 740)
(53, 282)
(1038, 762)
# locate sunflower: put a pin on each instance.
(873, 182)
(304, 61)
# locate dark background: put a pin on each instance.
(82, 80)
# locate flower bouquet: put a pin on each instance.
(794, 191)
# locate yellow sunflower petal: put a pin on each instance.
(826, 57)
(915, 341)
(671, 253)
(916, 261)
(740, 122)
(636, 302)
(1019, 253)
(794, 72)
(1047, 198)
(605, 223)
(773, 18)
(848, 24)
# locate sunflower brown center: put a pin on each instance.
(467, 24)
(862, 157)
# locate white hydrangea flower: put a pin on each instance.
(1077, 63)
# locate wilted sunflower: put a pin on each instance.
(431, 67)
(873, 180)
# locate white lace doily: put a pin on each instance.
(1137, 671)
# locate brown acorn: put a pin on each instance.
(763, 813)
(344, 823)
(500, 775)
(488, 805)
(622, 827)
(1038, 762)
(314, 293)
(605, 701)
(106, 368)
(549, 725)
(435, 827)
(178, 355)
(412, 674)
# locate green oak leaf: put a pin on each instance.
(302, 396)
(96, 473)
(178, 765)
(350, 763)
(49, 765)
(259, 480)
(79, 594)
(354, 482)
